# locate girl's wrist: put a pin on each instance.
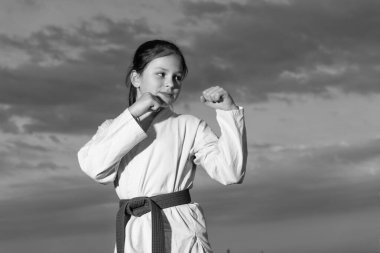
(136, 118)
(136, 110)
(232, 107)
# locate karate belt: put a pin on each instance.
(142, 205)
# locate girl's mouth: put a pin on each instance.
(167, 97)
(166, 94)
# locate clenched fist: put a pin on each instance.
(218, 98)
(147, 105)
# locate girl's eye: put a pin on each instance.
(161, 74)
(178, 78)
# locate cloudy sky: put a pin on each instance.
(306, 72)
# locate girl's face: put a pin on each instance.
(161, 77)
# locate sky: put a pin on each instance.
(306, 72)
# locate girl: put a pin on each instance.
(150, 154)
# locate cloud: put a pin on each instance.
(68, 74)
(66, 79)
(60, 80)
(60, 206)
(99, 39)
(319, 44)
(203, 8)
(27, 159)
(290, 185)
(7, 123)
(342, 152)
(41, 178)
(298, 182)
(18, 144)
(16, 169)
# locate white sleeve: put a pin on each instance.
(223, 158)
(100, 157)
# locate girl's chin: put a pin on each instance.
(168, 99)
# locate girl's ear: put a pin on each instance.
(135, 78)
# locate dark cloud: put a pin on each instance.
(92, 72)
(59, 207)
(48, 165)
(56, 42)
(347, 154)
(298, 183)
(272, 201)
(55, 139)
(286, 184)
(203, 8)
(30, 3)
(7, 125)
(18, 144)
(73, 81)
(16, 168)
(258, 41)
(77, 93)
(342, 153)
(74, 77)
(21, 159)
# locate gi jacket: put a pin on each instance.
(163, 160)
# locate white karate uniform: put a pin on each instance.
(163, 160)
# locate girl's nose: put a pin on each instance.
(169, 82)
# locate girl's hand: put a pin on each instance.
(218, 98)
(146, 105)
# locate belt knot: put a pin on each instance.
(137, 206)
(142, 205)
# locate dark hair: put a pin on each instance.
(147, 52)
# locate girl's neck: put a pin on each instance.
(147, 119)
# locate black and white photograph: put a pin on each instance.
(190, 126)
